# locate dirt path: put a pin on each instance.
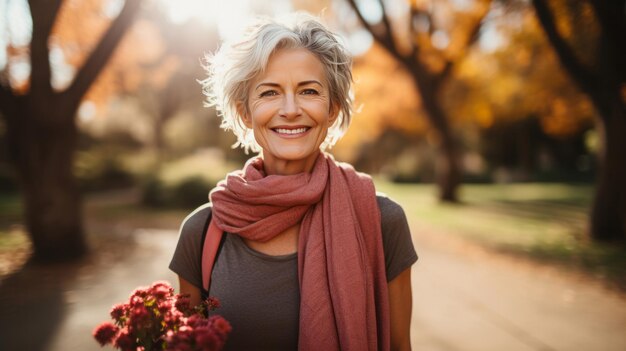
(464, 299)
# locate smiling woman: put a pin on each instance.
(299, 249)
(290, 111)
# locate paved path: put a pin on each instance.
(464, 299)
(468, 299)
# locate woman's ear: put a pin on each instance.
(242, 111)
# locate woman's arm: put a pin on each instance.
(187, 288)
(400, 306)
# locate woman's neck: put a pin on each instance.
(275, 166)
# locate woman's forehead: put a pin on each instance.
(298, 63)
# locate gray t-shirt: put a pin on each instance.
(259, 293)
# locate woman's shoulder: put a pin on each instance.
(396, 236)
(195, 221)
(390, 210)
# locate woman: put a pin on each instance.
(311, 257)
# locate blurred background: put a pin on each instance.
(498, 125)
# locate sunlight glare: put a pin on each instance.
(371, 10)
(20, 24)
(229, 17)
(359, 41)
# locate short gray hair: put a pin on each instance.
(235, 65)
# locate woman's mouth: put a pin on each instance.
(291, 131)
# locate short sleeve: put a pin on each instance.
(397, 243)
(186, 261)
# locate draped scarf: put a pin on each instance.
(341, 269)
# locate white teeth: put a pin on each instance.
(291, 131)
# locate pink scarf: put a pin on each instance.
(341, 268)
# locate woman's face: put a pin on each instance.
(289, 108)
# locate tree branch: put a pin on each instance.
(475, 30)
(101, 54)
(44, 14)
(385, 39)
(583, 77)
(387, 26)
(473, 36)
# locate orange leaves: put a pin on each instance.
(521, 79)
(80, 25)
(386, 96)
(565, 118)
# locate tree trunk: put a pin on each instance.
(43, 155)
(608, 214)
(42, 135)
(447, 167)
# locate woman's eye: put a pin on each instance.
(268, 93)
(309, 92)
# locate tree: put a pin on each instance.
(599, 71)
(516, 94)
(170, 85)
(429, 52)
(42, 134)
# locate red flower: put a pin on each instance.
(140, 292)
(161, 290)
(118, 311)
(206, 339)
(136, 301)
(140, 317)
(164, 306)
(104, 333)
(212, 303)
(125, 341)
(220, 325)
(183, 302)
(154, 319)
(196, 320)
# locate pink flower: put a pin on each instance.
(220, 325)
(104, 333)
(125, 341)
(140, 317)
(140, 292)
(196, 320)
(212, 303)
(118, 311)
(206, 339)
(173, 319)
(161, 290)
(164, 306)
(156, 319)
(183, 302)
(136, 301)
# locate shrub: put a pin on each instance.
(188, 193)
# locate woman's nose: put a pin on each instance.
(290, 107)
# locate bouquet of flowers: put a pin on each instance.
(156, 319)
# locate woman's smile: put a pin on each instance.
(291, 132)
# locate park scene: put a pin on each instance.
(497, 125)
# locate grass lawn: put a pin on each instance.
(546, 221)
(14, 245)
